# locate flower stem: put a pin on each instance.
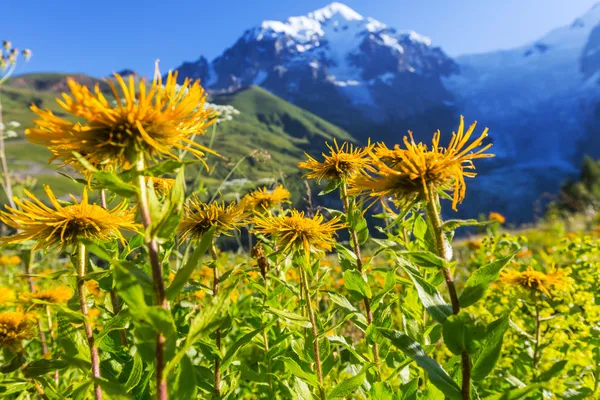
(217, 383)
(114, 299)
(315, 333)
(157, 277)
(359, 266)
(538, 336)
(82, 258)
(442, 249)
(7, 185)
(28, 266)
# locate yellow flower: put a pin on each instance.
(93, 287)
(7, 295)
(533, 280)
(9, 260)
(162, 186)
(58, 295)
(200, 217)
(263, 199)
(15, 326)
(409, 174)
(497, 217)
(64, 224)
(293, 231)
(343, 162)
(151, 120)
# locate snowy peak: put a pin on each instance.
(335, 10)
(334, 61)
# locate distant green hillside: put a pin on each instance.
(266, 123)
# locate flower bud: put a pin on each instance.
(26, 54)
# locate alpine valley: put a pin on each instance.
(338, 68)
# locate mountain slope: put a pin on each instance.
(266, 123)
(537, 100)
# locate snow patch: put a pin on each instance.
(260, 77)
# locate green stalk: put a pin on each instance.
(157, 277)
(442, 251)
(6, 184)
(41, 333)
(114, 299)
(82, 258)
(538, 337)
(315, 333)
(359, 266)
(266, 338)
(217, 383)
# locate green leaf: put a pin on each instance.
(354, 281)
(479, 282)
(491, 348)
(358, 223)
(129, 288)
(106, 180)
(514, 394)
(296, 370)
(183, 275)
(113, 389)
(301, 391)
(453, 224)
(14, 364)
(331, 186)
(231, 352)
(80, 392)
(425, 259)
(184, 385)
(98, 249)
(135, 375)
(454, 332)
(348, 386)
(167, 167)
(413, 349)
(119, 321)
(290, 316)
(431, 298)
(381, 391)
(553, 371)
(410, 389)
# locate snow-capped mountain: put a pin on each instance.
(537, 100)
(541, 101)
(335, 63)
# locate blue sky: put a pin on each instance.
(99, 37)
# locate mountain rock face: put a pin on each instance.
(539, 100)
(352, 70)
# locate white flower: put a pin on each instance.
(11, 134)
(14, 124)
(225, 113)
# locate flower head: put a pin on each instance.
(200, 217)
(411, 173)
(9, 260)
(343, 162)
(6, 295)
(151, 120)
(296, 232)
(58, 295)
(64, 224)
(15, 326)
(162, 186)
(497, 217)
(263, 199)
(531, 279)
